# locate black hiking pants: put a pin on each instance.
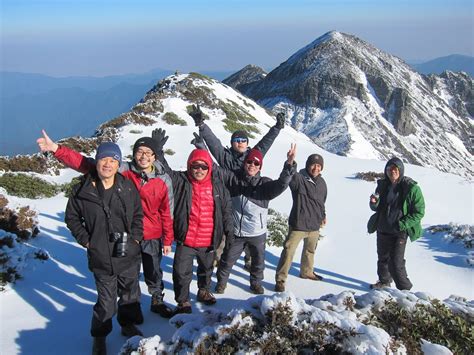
(152, 253)
(183, 270)
(391, 259)
(256, 246)
(125, 286)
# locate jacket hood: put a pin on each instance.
(398, 163)
(200, 154)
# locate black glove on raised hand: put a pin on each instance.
(280, 120)
(160, 138)
(198, 141)
(197, 115)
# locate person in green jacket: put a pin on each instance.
(399, 207)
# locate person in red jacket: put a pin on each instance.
(203, 214)
(156, 195)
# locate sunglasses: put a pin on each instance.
(239, 140)
(252, 162)
(199, 166)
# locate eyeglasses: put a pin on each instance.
(148, 154)
(239, 140)
(199, 166)
(253, 162)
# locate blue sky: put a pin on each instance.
(103, 37)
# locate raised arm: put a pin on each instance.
(268, 139)
(65, 155)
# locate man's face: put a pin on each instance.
(314, 169)
(240, 144)
(393, 173)
(252, 167)
(144, 158)
(199, 169)
(107, 167)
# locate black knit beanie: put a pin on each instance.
(315, 159)
(145, 142)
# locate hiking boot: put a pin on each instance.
(158, 306)
(257, 288)
(98, 346)
(314, 276)
(184, 307)
(280, 286)
(130, 330)
(220, 288)
(205, 297)
(379, 284)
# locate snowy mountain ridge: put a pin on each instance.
(355, 100)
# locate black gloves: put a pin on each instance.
(160, 138)
(198, 141)
(280, 120)
(197, 115)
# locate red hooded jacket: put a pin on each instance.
(201, 217)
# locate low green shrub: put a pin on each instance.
(206, 78)
(173, 119)
(27, 186)
(169, 151)
(67, 187)
(278, 334)
(22, 222)
(277, 228)
(136, 131)
(434, 322)
(33, 163)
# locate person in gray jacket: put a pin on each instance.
(232, 158)
(308, 214)
(251, 194)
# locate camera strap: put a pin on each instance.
(106, 206)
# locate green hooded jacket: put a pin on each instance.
(413, 207)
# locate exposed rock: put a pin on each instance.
(247, 75)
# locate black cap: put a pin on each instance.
(315, 159)
(145, 142)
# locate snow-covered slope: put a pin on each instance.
(48, 312)
(353, 99)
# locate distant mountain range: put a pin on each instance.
(454, 63)
(77, 105)
(65, 106)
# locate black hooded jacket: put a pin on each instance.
(309, 198)
(87, 219)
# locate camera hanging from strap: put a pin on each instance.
(106, 207)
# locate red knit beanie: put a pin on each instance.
(255, 155)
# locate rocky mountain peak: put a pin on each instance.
(354, 99)
(247, 75)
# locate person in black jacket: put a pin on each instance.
(104, 214)
(251, 194)
(308, 214)
(233, 158)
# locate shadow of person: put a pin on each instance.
(328, 276)
(61, 291)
